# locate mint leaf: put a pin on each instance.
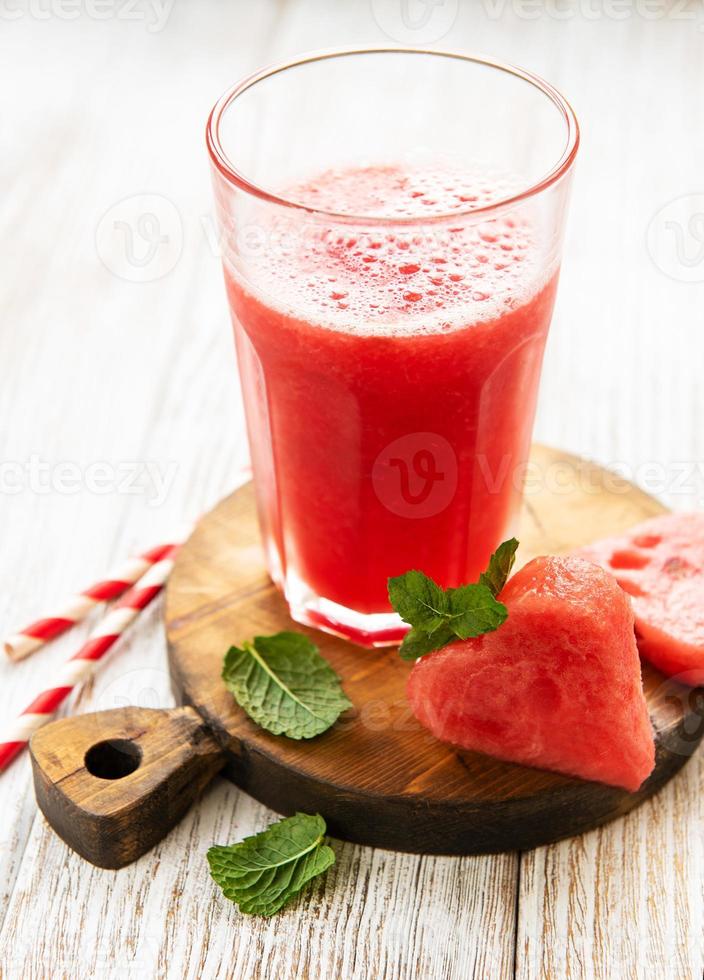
(417, 643)
(474, 611)
(284, 685)
(500, 565)
(418, 600)
(440, 616)
(264, 872)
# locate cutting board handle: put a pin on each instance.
(113, 783)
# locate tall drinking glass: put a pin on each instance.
(391, 222)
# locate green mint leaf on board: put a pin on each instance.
(440, 616)
(285, 685)
(264, 872)
(500, 565)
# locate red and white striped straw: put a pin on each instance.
(82, 665)
(78, 606)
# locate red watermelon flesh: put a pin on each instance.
(558, 686)
(660, 564)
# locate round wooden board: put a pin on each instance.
(378, 777)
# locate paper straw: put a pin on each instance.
(82, 665)
(78, 606)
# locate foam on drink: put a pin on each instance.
(405, 279)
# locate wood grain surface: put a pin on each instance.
(112, 784)
(377, 776)
(99, 370)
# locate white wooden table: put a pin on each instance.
(120, 415)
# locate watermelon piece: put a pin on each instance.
(558, 686)
(660, 564)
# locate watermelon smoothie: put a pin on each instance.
(390, 377)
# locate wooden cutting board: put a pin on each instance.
(114, 783)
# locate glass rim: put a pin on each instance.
(228, 170)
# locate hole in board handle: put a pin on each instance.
(113, 759)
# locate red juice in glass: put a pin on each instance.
(390, 370)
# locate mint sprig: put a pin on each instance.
(264, 872)
(440, 616)
(500, 565)
(285, 685)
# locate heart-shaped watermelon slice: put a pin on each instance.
(660, 564)
(558, 686)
